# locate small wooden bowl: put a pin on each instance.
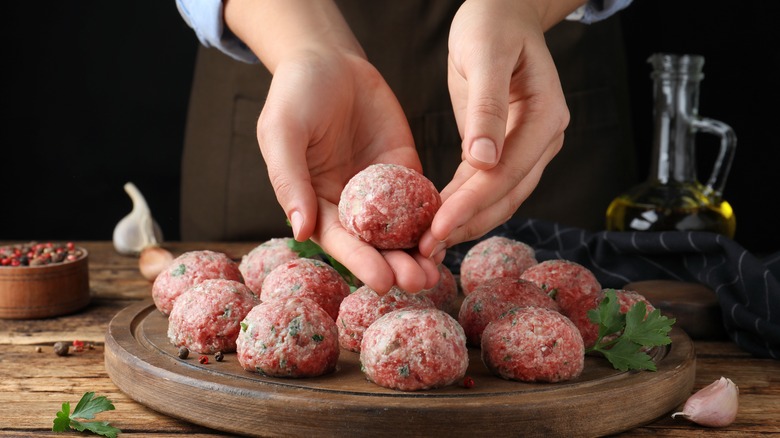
(31, 292)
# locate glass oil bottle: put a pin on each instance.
(672, 198)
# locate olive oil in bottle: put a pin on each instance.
(672, 198)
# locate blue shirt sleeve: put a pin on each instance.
(206, 19)
(597, 10)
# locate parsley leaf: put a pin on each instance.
(624, 337)
(86, 409)
(309, 249)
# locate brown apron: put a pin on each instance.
(225, 191)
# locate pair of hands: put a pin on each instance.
(329, 114)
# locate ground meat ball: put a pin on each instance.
(309, 278)
(564, 280)
(494, 257)
(494, 297)
(445, 292)
(257, 263)
(388, 206)
(206, 317)
(533, 344)
(414, 349)
(589, 330)
(364, 306)
(291, 337)
(189, 269)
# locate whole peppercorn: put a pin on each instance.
(219, 356)
(203, 359)
(61, 348)
(184, 352)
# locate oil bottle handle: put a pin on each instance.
(728, 144)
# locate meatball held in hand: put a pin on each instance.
(388, 206)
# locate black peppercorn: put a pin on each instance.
(61, 348)
(219, 356)
(184, 352)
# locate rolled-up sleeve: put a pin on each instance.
(206, 19)
(597, 10)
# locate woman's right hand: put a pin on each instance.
(328, 115)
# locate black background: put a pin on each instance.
(96, 95)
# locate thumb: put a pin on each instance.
(486, 116)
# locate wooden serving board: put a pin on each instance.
(221, 395)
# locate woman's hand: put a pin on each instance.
(510, 110)
(328, 115)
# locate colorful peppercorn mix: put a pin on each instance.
(38, 254)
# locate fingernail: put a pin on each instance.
(296, 221)
(441, 246)
(484, 150)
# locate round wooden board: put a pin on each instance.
(223, 396)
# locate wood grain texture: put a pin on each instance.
(34, 385)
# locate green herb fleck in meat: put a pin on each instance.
(243, 326)
(317, 337)
(404, 371)
(179, 270)
(295, 326)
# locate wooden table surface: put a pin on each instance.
(34, 382)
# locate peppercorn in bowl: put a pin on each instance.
(42, 280)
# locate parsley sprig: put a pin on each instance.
(309, 249)
(88, 406)
(624, 336)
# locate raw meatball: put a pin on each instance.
(445, 292)
(564, 280)
(364, 306)
(494, 297)
(388, 206)
(533, 344)
(309, 278)
(291, 337)
(414, 349)
(189, 269)
(257, 263)
(494, 257)
(206, 317)
(589, 330)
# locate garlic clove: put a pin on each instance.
(715, 405)
(153, 260)
(138, 229)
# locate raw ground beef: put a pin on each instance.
(206, 317)
(291, 337)
(445, 293)
(578, 313)
(564, 280)
(364, 306)
(494, 297)
(257, 263)
(533, 344)
(309, 278)
(494, 257)
(388, 206)
(189, 269)
(414, 349)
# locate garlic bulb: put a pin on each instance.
(138, 229)
(714, 405)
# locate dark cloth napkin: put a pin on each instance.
(748, 288)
